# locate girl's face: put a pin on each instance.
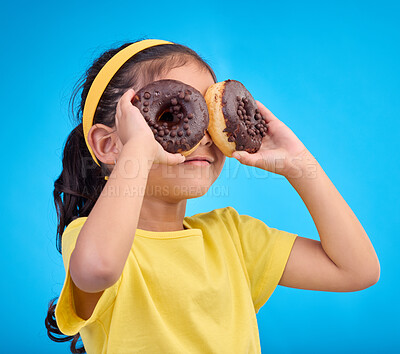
(187, 180)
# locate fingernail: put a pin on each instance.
(236, 155)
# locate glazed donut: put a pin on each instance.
(176, 113)
(235, 121)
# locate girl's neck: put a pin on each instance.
(159, 215)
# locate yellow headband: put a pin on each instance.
(104, 77)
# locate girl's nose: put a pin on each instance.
(206, 140)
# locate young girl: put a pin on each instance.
(143, 278)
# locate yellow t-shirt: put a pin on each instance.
(190, 291)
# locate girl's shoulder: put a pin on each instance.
(220, 217)
(217, 211)
(71, 232)
(220, 213)
(76, 223)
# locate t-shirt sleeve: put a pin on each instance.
(68, 321)
(265, 251)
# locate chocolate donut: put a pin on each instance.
(176, 113)
(235, 121)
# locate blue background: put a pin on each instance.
(330, 71)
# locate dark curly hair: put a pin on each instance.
(81, 181)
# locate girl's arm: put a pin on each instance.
(344, 259)
(106, 238)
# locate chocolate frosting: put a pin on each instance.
(244, 123)
(176, 112)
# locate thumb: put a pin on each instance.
(174, 159)
(247, 159)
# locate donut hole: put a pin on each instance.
(168, 117)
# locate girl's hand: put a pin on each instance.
(132, 127)
(281, 151)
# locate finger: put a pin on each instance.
(174, 159)
(129, 94)
(248, 159)
(265, 112)
(126, 99)
(129, 107)
(117, 115)
(118, 109)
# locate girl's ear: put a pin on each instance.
(104, 142)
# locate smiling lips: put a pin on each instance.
(198, 161)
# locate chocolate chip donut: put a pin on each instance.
(235, 121)
(176, 113)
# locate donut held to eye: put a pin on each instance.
(236, 124)
(176, 113)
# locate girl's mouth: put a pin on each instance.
(197, 162)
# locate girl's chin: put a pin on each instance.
(191, 191)
(187, 175)
(178, 191)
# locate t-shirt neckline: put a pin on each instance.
(170, 234)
